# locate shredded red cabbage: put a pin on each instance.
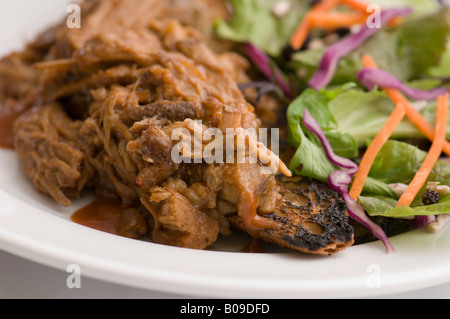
(422, 221)
(339, 181)
(263, 63)
(311, 124)
(340, 49)
(372, 78)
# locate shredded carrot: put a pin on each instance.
(357, 4)
(433, 154)
(415, 117)
(321, 17)
(326, 5)
(332, 21)
(364, 6)
(396, 22)
(300, 35)
(369, 62)
(374, 148)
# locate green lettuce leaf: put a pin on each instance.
(362, 115)
(379, 188)
(398, 162)
(254, 21)
(443, 69)
(310, 158)
(408, 51)
(351, 118)
(385, 207)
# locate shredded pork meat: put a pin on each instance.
(110, 97)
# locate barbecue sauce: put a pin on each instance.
(108, 214)
(101, 214)
(253, 247)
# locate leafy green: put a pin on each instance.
(254, 21)
(351, 118)
(377, 205)
(376, 187)
(443, 69)
(384, 206)
(310, 158)
(362, 115)
(397, 162)
(408, 51)
(317, 103)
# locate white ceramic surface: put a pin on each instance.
(34, 227)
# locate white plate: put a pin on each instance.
(34, 227)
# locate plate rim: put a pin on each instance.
(55, 256)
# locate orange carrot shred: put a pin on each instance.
(300, 35)
(433, 154)
(321, 17)
(326, 5)
(332, 21)
(369, 62)
(357, 4)
(415, 117)
(374, 148)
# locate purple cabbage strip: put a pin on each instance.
(340, 180)
(371, 78)
(421, 221)
(310, 122)
(263, 63)
(330, 60)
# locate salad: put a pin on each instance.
(366, 84)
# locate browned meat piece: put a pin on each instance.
(176, 222)
(46, 142)
(110, 16)
(19, 83)
(253, 194)
(311, 217)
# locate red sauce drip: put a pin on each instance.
(253, 247)
(253, 223)
(101, 214)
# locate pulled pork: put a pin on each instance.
(110, 97)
